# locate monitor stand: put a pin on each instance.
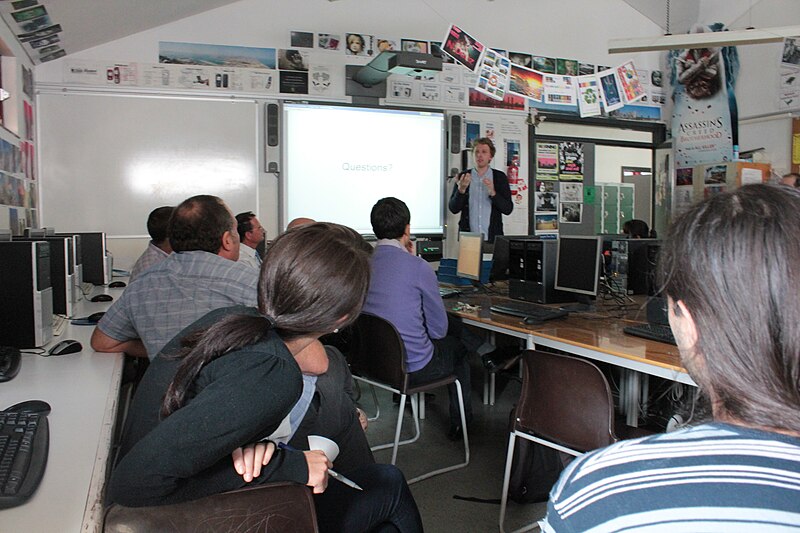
(584, 304)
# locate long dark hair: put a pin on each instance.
(311, 278)
(733, 260)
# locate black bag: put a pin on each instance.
(534, 470)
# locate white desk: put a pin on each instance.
(83, 391)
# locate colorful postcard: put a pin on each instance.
(612, 97)
(493, 74)
(544, 64)
(632, 88)
(329, 41)
(526, 82)
(462, 47)
(510, 101)
(566, 67)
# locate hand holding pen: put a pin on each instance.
(319, 468)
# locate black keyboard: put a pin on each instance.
(446, 292)
(24, 445)
(536, 312)
(654, 332)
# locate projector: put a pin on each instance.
(391, 62)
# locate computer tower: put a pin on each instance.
(26, 313)
(62, 273)
(95, 260)
(532, 271)
(631, 268)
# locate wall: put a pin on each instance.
(562, 29)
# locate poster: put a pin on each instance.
(570, 160)
(704, 119)
(588, 96)
(493, 74)
(559, 90)
(547, 158)
(612, 97)
(629, 81)
(526, 82)
(462, 47)
(216, 55)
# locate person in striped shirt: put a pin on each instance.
(729, 271)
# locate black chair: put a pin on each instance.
(377, 356)
(279, 507)
(565, 404)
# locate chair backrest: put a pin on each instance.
(377, 352)
(279, 507)
(566, 400)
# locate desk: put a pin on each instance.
(83, 391)
(597, 336)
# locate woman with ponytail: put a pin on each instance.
(229, 380)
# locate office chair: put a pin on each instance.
(565, 404)
(378, 357)
(280, 507)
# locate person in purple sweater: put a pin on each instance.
(404, 290)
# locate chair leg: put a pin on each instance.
(466, 443)
(377, 405)
(512, 437)
(421, 399)
(394, 444)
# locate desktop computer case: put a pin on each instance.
(631, 269)
(532, 271)
(26, 313)
(95, 261)
(62, 273)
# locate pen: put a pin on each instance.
(331, 472)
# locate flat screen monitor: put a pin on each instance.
(578, 268)
(470, 255)
(339, 160)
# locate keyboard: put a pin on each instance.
(654, 332)
(446, 292)
(24, 446)
(59, 323)
(536, 312)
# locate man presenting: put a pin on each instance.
(251, 234)
(482, 195)
(404, 290)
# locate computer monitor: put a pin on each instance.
(470, 255)
(578, 269)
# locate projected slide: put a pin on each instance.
(338, 161)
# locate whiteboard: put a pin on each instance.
(107, 160)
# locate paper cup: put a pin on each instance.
(330, 448)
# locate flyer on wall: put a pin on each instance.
(559, 90)
(547, 158)
(612, 96)
(589, 96)
(570, 160)
(526, 82)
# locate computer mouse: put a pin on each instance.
(102, 298)
(531, 320)
(65, 347)
(95, 317)
(117, 285)
(38, 407)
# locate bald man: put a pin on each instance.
(300, 221)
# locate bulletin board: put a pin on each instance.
(113, 158)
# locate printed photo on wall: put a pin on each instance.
(571, 213)
(526, 82)
(546, 65)
(567, 67)
(545, 223)
(329, 41)
(521, 59)
(386, 45)
(411, 45)
(546, 202)
(510, 101)
(301, 39)
(215, 55)
(584, 69)
(292, 59)
(572, 192)
(683, 176)
(612, 98)
(436, 49)
(462, 47)
(292, 82)
(358, 44)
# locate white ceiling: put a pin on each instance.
(89, 23)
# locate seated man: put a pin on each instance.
(730, 277)
(404, 290)
(159, 247)
(251, 235)
(792, 179)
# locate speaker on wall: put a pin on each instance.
(272, 124)
(455, 134)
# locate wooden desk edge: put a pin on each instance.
(94, 511)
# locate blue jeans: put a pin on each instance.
(385, 504)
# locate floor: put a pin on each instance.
(436, 497)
